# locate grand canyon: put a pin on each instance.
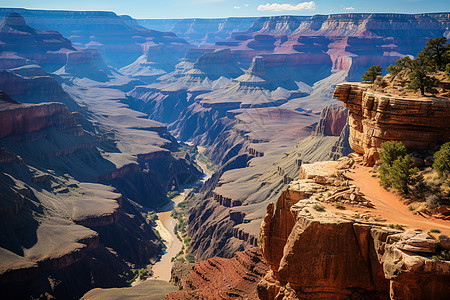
(221, 158)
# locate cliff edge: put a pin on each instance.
(374, 118)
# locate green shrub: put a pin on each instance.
(433, 230)
(396, 226)
(372, 73)
(444, 255)
(190, 258)
(395, 170)
(442, 160)
(392, 150)
(319, 207)
(401, 174)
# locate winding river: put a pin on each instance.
(166, 225)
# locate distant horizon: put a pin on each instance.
(249, 16)
(217, 9)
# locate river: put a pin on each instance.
(166, 225)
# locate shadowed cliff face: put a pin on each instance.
(75, 188)
(69, 193)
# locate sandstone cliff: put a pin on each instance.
(319, 252)
(374, 118)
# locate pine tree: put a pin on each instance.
(372, 73)
(436, 53)
(402, 174)
(442, 160)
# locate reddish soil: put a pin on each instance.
(390, 206)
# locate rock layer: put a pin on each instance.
(222, 278)
(375, 118)
(315, 253)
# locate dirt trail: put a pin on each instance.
(389, 206)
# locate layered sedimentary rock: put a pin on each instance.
(200, 31)
(376, 117)
(222, 278)
(317, 252)
(64, 231)
(118, 43)
(332, 120)
(18, 119)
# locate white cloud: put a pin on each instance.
(246, 5)
(349, 8)
(281, 7)
(237, 7)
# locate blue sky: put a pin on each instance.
(227, 8)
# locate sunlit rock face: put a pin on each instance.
(375, 118)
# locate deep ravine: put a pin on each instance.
(166, 224)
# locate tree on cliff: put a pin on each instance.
(420, 79)
(395, 170)
(442, 161)
(418, 71)
(372, 73)
(436, 53)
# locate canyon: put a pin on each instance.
(101, 116)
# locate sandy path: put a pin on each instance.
(389, 206)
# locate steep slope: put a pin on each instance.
(231, 205)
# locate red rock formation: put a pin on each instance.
(21, 119)
(222, 278)
(375, 118)
(332, 120)
(319, 254)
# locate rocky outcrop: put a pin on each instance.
(222, 278)
(315, 252)
(218, 63)
(332, 120)
(375, 118)
(34, 85)
(18, 119)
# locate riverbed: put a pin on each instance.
(165, 227)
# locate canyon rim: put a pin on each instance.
(153, 157)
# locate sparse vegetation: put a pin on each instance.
(204, 160)
(190, 258)
(432, 201)
(318, 207)
(411, 208)
(434, 57)
(442, 161)
(340, 206)
(395, 226)
(444, 255)
(395, 170)
(433, 230)
(372, 73)
(173, 194)
(138, 273)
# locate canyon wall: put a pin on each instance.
(118, 43)
(320, 252)
(375, 117)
